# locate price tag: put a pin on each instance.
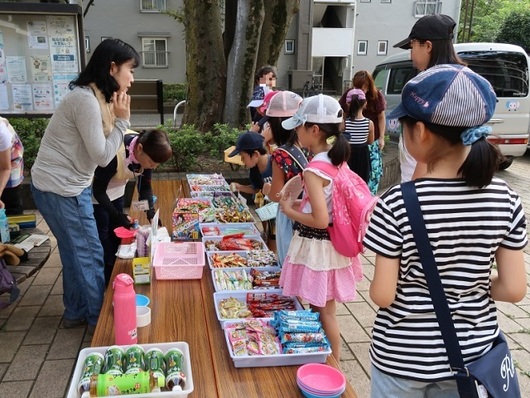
(140, 205)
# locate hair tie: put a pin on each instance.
(473, 134)
(331, 140)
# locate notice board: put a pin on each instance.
(41, 52)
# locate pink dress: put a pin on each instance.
(313, 270)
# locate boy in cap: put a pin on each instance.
(254, 156)
(472, 219)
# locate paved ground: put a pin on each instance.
(37, 355)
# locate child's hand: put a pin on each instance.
(254, 127)
(266, 188)
(286, 202)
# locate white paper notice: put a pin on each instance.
(37, 36)
(16, 69)
(42, 97)
(22, 98)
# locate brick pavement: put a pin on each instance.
(37, 355)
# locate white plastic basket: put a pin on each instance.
(261, 361)
(179, 260)
(186, 368)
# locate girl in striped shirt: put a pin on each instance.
(473, 219)
(359, 130)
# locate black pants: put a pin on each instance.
(12, 201)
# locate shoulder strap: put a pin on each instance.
(439, 300)
(296, 154)
(326, 167)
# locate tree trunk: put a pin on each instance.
(220, 85)
(278, 17)
(242, 60)
(205, 64)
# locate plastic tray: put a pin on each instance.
(218, 229)
(257, 238)
(261, 361)
(179, 260)
(206, 179)
(218, 288)
(186, 368)
(241, 295)
(241, 253)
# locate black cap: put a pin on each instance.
(430, 27)
(248, 141)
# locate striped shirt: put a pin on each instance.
(465, 227)
(357, 130)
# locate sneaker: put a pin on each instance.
(73, 323)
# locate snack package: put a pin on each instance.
(185, 225)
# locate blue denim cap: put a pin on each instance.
(447, 95)
(248, 141)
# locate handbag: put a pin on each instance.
(8, 284)
(493, 374)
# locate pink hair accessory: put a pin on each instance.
(357, 92)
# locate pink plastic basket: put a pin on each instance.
(179, 260)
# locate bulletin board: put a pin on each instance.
(40, 54)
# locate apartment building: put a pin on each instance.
(328, 39)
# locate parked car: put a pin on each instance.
(506, 67)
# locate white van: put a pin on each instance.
(506, 67)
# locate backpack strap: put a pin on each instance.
(326, 167)
(296, 154)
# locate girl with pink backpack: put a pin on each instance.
(313, 269)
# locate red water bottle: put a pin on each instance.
(124, 301)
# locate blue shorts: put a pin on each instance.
(384, 385)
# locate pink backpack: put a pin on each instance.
(352, 205)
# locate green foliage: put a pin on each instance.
(516, 29)
(487, 18)
(30, 132)
(190, 145)
(174, 92)
(221, 137)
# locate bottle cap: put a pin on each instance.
(123, 283)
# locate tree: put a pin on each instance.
(481, 20)
(516, 30)
(221, 62)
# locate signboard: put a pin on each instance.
(41, 51)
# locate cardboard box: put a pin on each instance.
(185, 225)
(141, 269)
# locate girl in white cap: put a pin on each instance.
(313, 269)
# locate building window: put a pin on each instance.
(87, 44)
(154, 52)
(152, 5)
(382, 47)
(386, 1)
(426, 7)
(289, 46)
(362, 47)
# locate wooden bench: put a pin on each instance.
(37, 257)
(147, 97)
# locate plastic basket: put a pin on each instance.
(179, 260)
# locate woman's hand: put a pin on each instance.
(122, 105)
(381, 143)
